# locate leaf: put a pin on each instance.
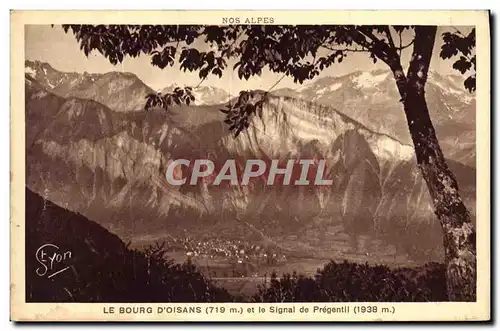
(462, 65)
(456, 43)
(470, 83)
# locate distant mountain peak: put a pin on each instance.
(120, 91)
(368, 79)
(37, 63)
(204, 95)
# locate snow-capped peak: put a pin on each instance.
(370, 80)
(30, 71)
(204, 95)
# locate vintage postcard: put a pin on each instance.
(250, 166)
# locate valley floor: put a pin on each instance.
(100, 267)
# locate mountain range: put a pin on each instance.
(370, 98)
(88, 155)
(119, 91)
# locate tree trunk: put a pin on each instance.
(458, 232)
(459, 237)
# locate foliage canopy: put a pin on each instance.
(297, 51)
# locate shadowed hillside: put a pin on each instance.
(100, 267)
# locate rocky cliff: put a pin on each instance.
(110, 166)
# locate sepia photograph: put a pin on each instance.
(252, 161)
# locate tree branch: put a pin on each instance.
(229, 48)
(178, 39)
(277, 82)
(389, 36)
(359, 36)
(366, 31)
(346, 49)
(458, 31)
(401, 41)
(380, 48)
(201, 81)
(400, 48)
(385, 48)
(360, 39)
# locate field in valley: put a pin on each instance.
(241, 267)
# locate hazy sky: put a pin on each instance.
(61, 51)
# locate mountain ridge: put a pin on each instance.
(117, 90)
(370, 98)
(106, 170)
(376, 103)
